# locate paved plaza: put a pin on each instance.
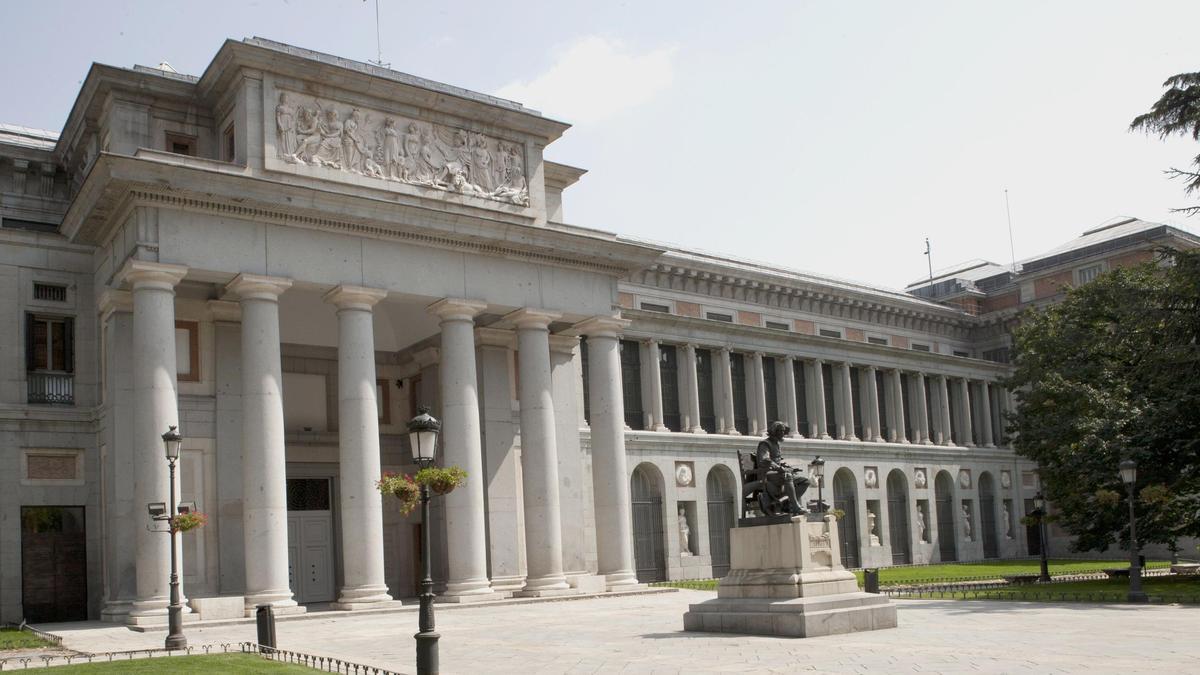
(643, 634)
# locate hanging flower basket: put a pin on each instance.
(441, 481)
(402, 488)
(186, 522)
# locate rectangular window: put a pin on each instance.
(187, 351)
(704, 382)
(181, 144)
(830, 333)
(973, 415)
(583, 363)
(737, 376)
(910, 429)
(777, 325)
(1087, 274)
(669, 374)
(855, 394)
(383, 400)
(230, 144)
(50, 359)
(929, 408)
(801, 398)
(631, 383)
(952, 432)
(654, 307)
(772, 394)
(49, 292)
(881, 401)
(920, 347)
(830, 411)
(717, 316)
(963, 354)
(1000, 355)
(871, 339)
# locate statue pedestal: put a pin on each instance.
(787, 579)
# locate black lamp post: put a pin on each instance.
(422, 437)
(1039, 510)
(1129, 477)
(172, 441)
(817, 469)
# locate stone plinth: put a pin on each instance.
(787, 579)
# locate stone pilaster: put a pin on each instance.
(654, 364)
(872, 427)
(848, 400)
(791, 409)
(898, 430)
(943, 395)
(758, 415)
(820, 421)
(985, 414)
(726, 423)
(922, 407)
(691, 390)
(964, 395)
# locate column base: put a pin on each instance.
(550, 584)
(357, 606)
(509, 584)
(697, 430)
(116, 611)
(280, 601)
(546, 593)
(363, 597)
(620, 581)
(490, 596)
(469, 591)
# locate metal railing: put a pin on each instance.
(325, 664)
(51, 387)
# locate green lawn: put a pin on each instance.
(1099, 590)
(239, 664)
(991, 569)
(13, 638)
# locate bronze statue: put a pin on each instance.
(780, 478)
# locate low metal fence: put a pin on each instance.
(1037, 596)
(50, 637)
(325, 664)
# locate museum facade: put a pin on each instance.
(289, 254)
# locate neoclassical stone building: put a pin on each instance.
(288, 254)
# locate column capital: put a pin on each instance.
(528, 318)
(456, 309)
(144, 274)
(563, 344)
(354, 297)
(113, 300)
(690, 346)
(224, 310)
(494, 337)
(427, 357)
(258, 287)
(601, 326)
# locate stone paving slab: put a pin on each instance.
(644, 634)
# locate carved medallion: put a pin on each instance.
(964, 479)
(920, 479)
(1005, 479)
(685, 474)
(871, 477)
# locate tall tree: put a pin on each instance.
(1177, 112)
(1113, 372)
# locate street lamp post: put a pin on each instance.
(817, 469)
(1129, 477)
(422, 436)
(175, 638)
(1039, 509)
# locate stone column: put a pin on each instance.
(466, 540)
(872, 428)
(821, 428)
(758, 420)
(923, 433)
(610, 474)
(121, 508)
(577, 540)
(539, 454)
(655, 375)
(493, 355)
(728, 426)
(985, 414)
(264, 464)
(155, 410)
(848, 401)
(899, 431)
(791, 411)
(964, 393)
(227, 373)
(363, 585)
(943, 395)
(691, 390)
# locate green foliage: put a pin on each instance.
(441, 480)
(186, 522)
(242, 664)
(402, 487)
(14, 638)
(1114, 372)
(1177, 111)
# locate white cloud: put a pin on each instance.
(594, 79)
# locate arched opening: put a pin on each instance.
(845, 497)
(720, 487)
(943, 495)
(898, 525)
(987, 514)
(649, 556)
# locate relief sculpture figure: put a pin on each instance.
(329, 150)
(285, 129)
(354, 147)
(308, 131)
(393, 151)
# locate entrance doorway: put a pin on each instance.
(53, 564)
(720, 517)
(943, 495)
(648, 555)
(987, 514)
(310, 539)
(898, 526)
(845, 497)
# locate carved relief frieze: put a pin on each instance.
(346, 139)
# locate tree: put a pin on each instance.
(1113, 372)
(1177, 112)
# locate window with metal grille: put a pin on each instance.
(829, 333)
(654, 307)
(631, 384)
(308, 494)
(919, 347)
(877, 341)
(962, 353)
(717, 316)
(777, 325)
(49, 292)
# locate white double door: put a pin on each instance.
(311, 569)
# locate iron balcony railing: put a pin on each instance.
(48, 387)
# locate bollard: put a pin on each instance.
(266, 626)
(871, 580)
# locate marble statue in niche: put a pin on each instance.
(684, 533)
(922, 521)
(1007, 517)
(871, 528)
(965, 510)
(352, 140)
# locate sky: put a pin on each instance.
(829, 137)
